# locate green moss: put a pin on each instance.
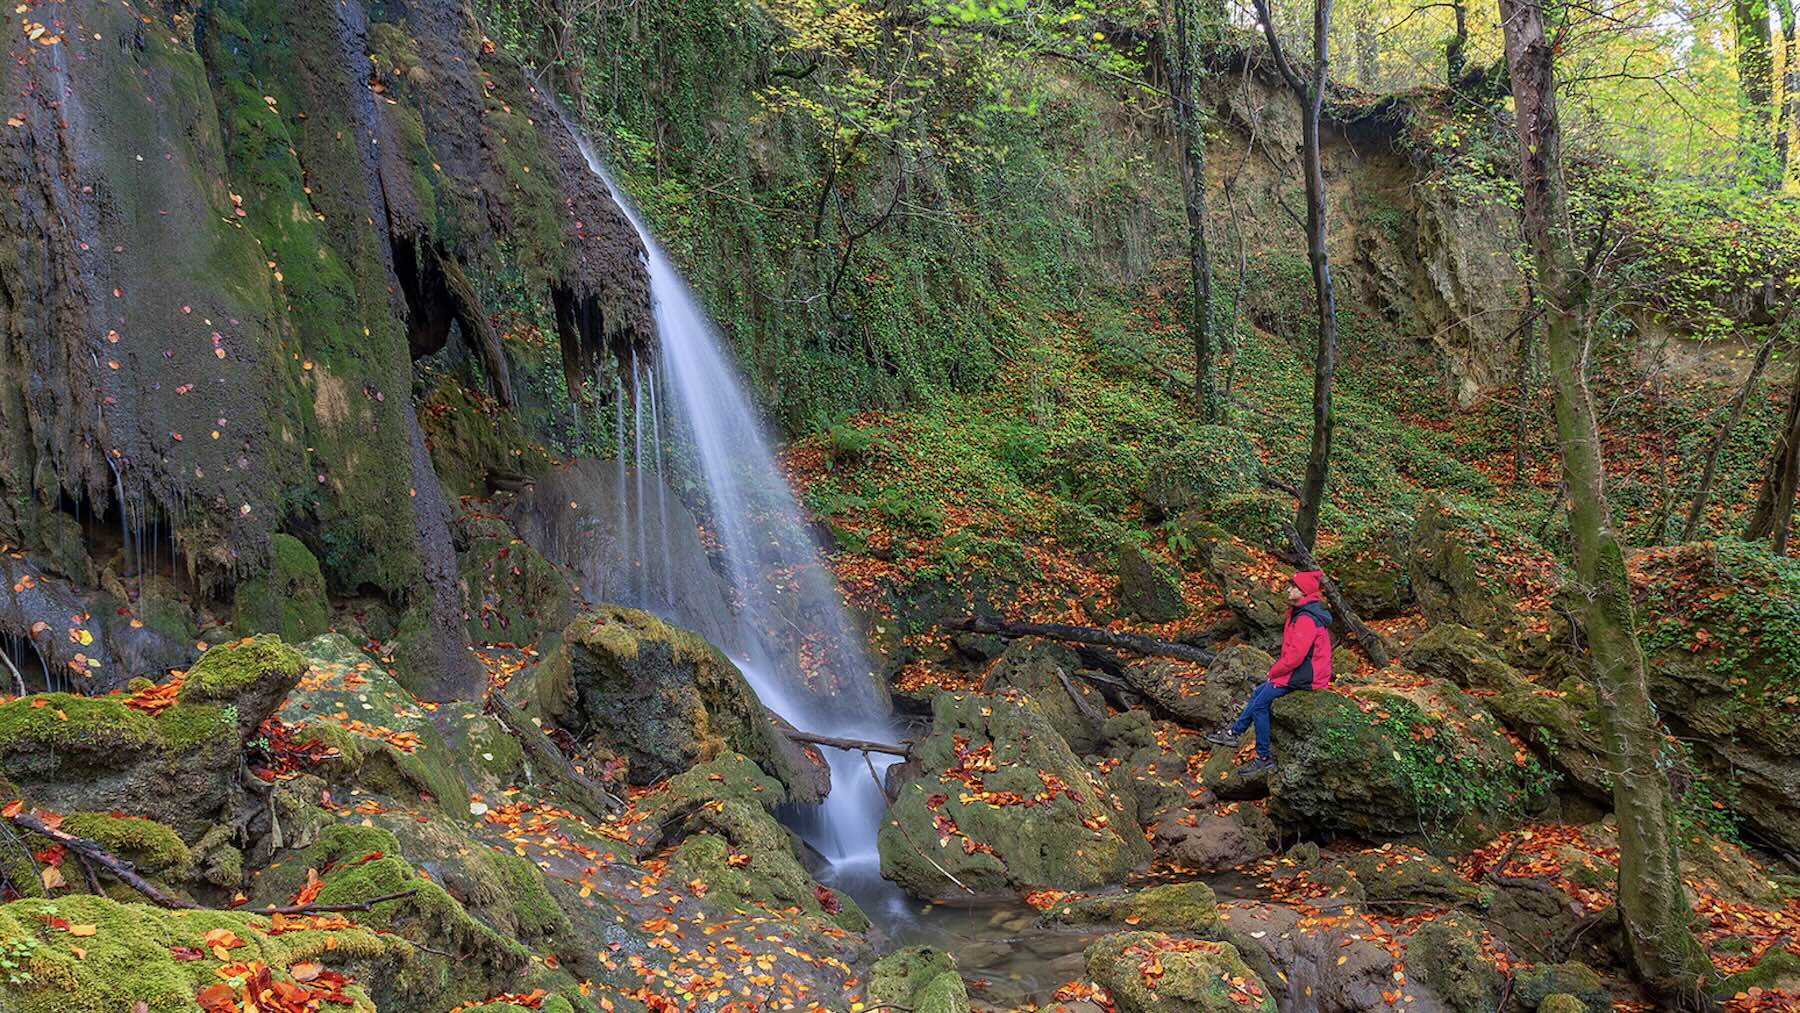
(1181, 907)
(1778, 969)
(1534, 985)
(1211, 463)
(1445, 953)
(228, 672)
(1198, 976)
(918, 978)
(147, 844)
(129, 958)
(375, 765)
(288, 598)
(186, 726)
(65, 723)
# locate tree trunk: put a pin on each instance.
(1652, 902)
(1787, 116)
(1773, 516)
(1710, 471)
(1180, 44)
(1456, 56)
(1756, 70)
(1309, 95)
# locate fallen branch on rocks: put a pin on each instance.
(95, 852)
(1136, 643)
(1371, 642)
(926, 855)
(308, 909)
(863, 745)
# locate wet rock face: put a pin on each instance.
(666, 699)
(583, 516)
(1003, 804)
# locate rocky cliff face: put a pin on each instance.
(231, 231)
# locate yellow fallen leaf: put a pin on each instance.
(83, 930)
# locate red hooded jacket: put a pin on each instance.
(1305, 661)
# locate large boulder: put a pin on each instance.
(1099, 475)
(252, 677)
(1003, 804)
(1212, 838)
(1369, 567)
(1149, 972)
(661, 697)
(1045, 671)
(1201, 698)
(1470, 568)
(1387, 764)
(1176, 907)
(1213, 462)
(1148, 590)
(922, 979)
(1251, 584)
(1721, 631)
(1445, 954)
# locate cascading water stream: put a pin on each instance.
(764, 540)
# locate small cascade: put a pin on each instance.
(791, 608)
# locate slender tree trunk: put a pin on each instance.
(1180, 43)
(1309, 95)
(1368, 52)
(1456, 50)
(1710, 471)
(1653, 904)
(1756, 70)
(1787, 115)
(1774, 511)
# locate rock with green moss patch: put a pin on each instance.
(132, 957)
(1244, 581)
(1369, 567)
(1534, 986)
(286, 599)
(1147, 588)
(1211, 463)
(252, 676)
(72, 753)
(1562, 1002)
(1445, 955)
(511, 593)
(1175, 907)
(1471, 568)
(1386, 764)
(153, 848)
(666, 699)
(1003, 804)
(1396, 879)
(1091, 471)
(1040, 668)
(1148, 972)
(918, 978)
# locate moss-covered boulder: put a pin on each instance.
(72, 753)
(1213, 462)
(1720, 625)
(1396, 879)
(1534, 986)
(83, 954)
(1445, 955)
(373, 734)
(288, 598)
(1148, 972)
(918, 978)
(1040, 669)
(511, 593)
(153, 849)
(1099, 475)
(666, 699)
(1471, 568)
(251, 677)
(1174, 907)
(1147, 588)
(1205, 837)
(1369, 567)
(1003, 804)
(1251, 585)
(1384, 764)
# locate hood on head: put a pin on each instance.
(1308, 581)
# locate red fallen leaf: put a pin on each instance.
(306, 970)
(827, 900)
(217, 999)
(186, 953)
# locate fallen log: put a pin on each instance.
(1370, 641)
(860, 745)
(1136, 643)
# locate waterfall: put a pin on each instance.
(764, 539)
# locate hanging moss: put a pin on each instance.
(288, 598)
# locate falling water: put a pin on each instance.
(662, 496)
(637, 463)
(762, 534)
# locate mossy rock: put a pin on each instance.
(384, 739)
(1147, 588)
(474, 441)
(1175, 907)
(130, 957)
(1095, 473)
(918, 978)
(1073, 834)
(666, 699)
(1445, 955)
(1396, 879)
(152, 848)
(1562, 1002)
(1245, 587)
(1430, 760)
(1778, 969)
(286, 599)
(1211, 463)
(73, 753)
(252, 676)
(1258, 516)
(1534, 986)
(1369, 568)
(511, 593)
(1190, 976)
(1472, 568)
(1034, 666)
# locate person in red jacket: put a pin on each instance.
(1305, 663)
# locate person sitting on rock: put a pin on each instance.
(1305, 663)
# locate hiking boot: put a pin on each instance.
(1257, 767)
(1222, 737)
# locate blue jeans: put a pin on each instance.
(1257, 712)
